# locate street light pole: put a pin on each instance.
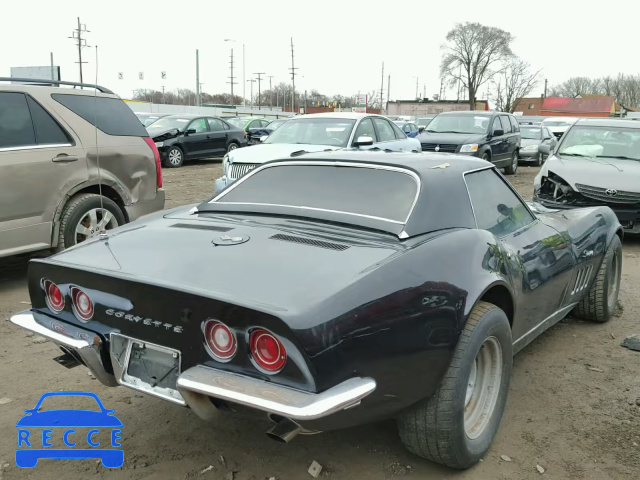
(252, 82)
(259, 96)
(244, 81)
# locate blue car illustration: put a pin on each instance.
(33, 446)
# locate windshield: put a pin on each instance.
(237, 122)
(423, 122)
(601, 142)
(167, 123)
(384, 194)
(531, 132)
(334, 132)
(275, 124)
(554, 123)
(477, 124)
(151, 119)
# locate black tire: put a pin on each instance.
(538, 160)
(175, 157)
(486, 157)
(435, 428)
(512, 168)
(599, 304)
(232, 146)
(76, 209)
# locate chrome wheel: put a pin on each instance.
(232, 146)
(93, 222)
(514, 162)
(175, 157)
(483, 388)
(612, 290)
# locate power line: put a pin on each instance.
(80, 42)
(259, 95)
(293, 80)
(382, 88)
(232, 78)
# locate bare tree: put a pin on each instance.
(472, 53)
(515, 81)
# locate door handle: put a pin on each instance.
(64, 158)
(208, 136)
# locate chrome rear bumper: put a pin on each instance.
(197, 384)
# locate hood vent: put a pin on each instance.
(309, 241)
(194, 226)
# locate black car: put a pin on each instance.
(403, 294)
(492, 136)
(254, 134)
(188, 137)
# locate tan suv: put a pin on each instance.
(52, 139)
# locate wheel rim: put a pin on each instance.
(233, 146)
(483, 388)
(613, 283)
(175, 157)
(514, 161)
(92, 223)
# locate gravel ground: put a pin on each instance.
(573, 408)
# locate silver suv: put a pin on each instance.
(72, 161)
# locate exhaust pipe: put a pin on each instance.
(284, 431)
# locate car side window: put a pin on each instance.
(506, 125)
(365, 129)
(16, 126)
(199, 125)
(385, 131)
(398, 131)
(496, 125)
(215, 125)
(514, 124)
(547, 133)
(496, 207)
(48, 131)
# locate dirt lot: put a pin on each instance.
(573, 408)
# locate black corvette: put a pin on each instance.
(331, 290)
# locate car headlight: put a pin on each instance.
(159, 144)
(469, 147)
(530, 148)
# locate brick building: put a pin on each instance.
(431, 107)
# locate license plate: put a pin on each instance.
(147, 367)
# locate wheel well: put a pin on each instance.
(499, 296)
(620, 234)
(108, 192)
(488, 152)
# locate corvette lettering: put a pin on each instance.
(146, 321)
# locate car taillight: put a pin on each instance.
(156, 155)
(53, 296)
(267, 351)
(82, 305)
(220, 340)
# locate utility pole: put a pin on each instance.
(162, 93)
(271, 92)
(197, 78)
(252, 82)
(81, 43)
(424, 91)
(52, 74)
(545, 87)
(232, 78)
(382, 88)
(293, 80)
(388, 89)
(416, 88)
(259, 91)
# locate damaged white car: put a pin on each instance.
(597, 162)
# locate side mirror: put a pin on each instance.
(263, 138)
(420, 129)
(190, 131)
(498, 133)
(363, 141)
(544, 149)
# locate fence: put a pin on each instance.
(216, 111)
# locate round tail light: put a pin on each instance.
(267, 351)
(53, 296)
(82, 305)
(220, 340)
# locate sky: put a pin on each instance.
(339, 45)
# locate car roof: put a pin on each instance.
(339, 115)
(608, 122)
(473, 112)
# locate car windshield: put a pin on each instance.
(459, 124)
(168, 123)
(379, 193)
(237, 122)
(556, 123)
(531, 133)
(66, 402)
(275, 124)
(334, 132)
(601, 142)
(423, 122)
(151, 119)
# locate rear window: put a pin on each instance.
(373, 192)
(110, 115)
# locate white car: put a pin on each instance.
(315, 133)
(558, 125)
